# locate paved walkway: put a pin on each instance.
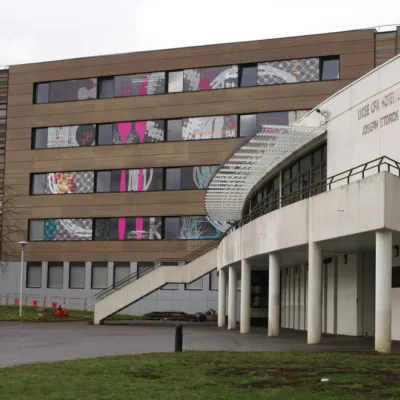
(38, 342)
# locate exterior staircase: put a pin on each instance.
(133, 288)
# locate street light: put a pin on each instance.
(21, 286)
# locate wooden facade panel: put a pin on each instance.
(356, 50)
(113, 200)
(218, 53)
(188, 61)
(149, 250)
(366, 58)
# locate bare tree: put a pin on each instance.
(10, 231)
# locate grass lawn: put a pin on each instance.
(32, 314)
(208, 375)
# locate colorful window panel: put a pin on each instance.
(137, 180)
(201, 228)
(71, 136)
(197, 177)
(138, 132)
(215, 127)
(79, 89)
(288, 71)
(134, 228)
(139, 84)
(67, 229)
(69, 182)
(210, 78)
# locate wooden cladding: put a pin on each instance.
(385, 46)
(356, 50)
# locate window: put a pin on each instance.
(208, 78)
(173, 179)
(38, 184)
(170, 286)
(102, 229)
(330, 68)
(174, 130)
(103, 181)
(106, 87)
(248, 125)
(139, 84)
(42, 93)
(288, 71)
(396, 277)
(34, 275)
(105, 134)
(99, 275)
(144, 267)
(248, 75)
(121, 271)
(36, 229)
(77, 275)
(175, 81)
(196, 177)
(213, 276)
(55, 272)
(196, 285)
(172, 228)
(40, 138)
(72, 90)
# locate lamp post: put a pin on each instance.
(21, 283)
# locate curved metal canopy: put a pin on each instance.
(234, 180)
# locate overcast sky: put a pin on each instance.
(41, 30)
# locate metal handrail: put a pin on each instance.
(315, 188)
(133, 277)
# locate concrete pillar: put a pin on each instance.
(222, 298)
(274, 295)
(383, 291)
(245, 297)
(232, 297)
(314, 312)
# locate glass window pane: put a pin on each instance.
(103, 182)
(72, 90)
(36, 229)
(42, 93)
(175, 81)
(106, 88)
(214, 127)
(55, 275)
(39, 184)
(172, 227)
(210, 78)
(213, 280)
(99, 275)
(77, 275)
(102, 229)
(249, 75)
(139, 84)
(143, 267)
(174, 130)
(305, 163)
(105, 134)
(248, 125)
(196, 285)
(34, 275)
(121, 271)
(172, 178)
(330, 69)
(40, 136)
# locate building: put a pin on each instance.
(108, 160)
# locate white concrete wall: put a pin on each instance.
(348, 147)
